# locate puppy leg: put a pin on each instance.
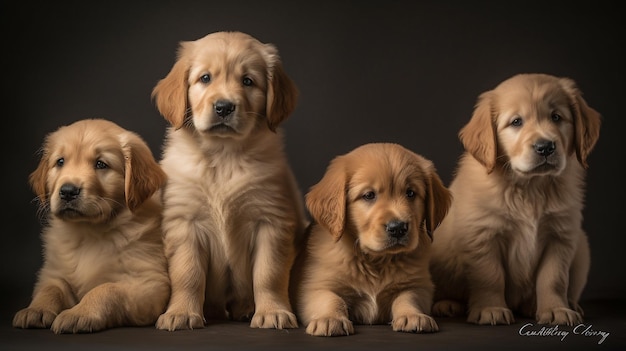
(272, 264)
(486, 279)
(113, 304)
(409, 312)
(240, 302)
(552, 287)
(448, 308)
(187, 259)
(326, 314)
(48, 301)
(450, 285)
(578, 274)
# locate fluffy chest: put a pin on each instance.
(368, 285)
(84, 258)
(223, 174)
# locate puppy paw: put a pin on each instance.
(240, 312)
(330, 327)
(415, 323)
(491, 316)
(559, 315)
(576, 307)
(178, 321)
(279, 319)
(448, 308)
(70, 321)
(33, 318)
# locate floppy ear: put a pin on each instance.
(326, 200)
(170, 93)
(479, 134)
(39, 176)
(282, 93)
(143, 176)
(586, 122)
(438, 201)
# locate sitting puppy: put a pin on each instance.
(104, 264)
(233, 213)
(513, 239)
(366, 260)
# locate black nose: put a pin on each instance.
(544, 147)
(397, 229)
(69, 192)
(223, 108)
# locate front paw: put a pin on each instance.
(278, 319)
(491, 316)
(241, 312)
(71, 321)
(415, 323)
(330, 327)
(171, 321)
(448, 308)
(33, 318)
(559, 315)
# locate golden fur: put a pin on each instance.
(513, 239)
(366, 261)
(104, 264)
(233, 211)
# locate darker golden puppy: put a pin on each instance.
(366, 261)
(513, 239)
(104, 264)
(233, 211)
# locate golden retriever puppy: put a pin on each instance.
(233, 211)
(104, 264)
(513, 239)
(366, 259)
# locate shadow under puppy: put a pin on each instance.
(104, 264)
(366, 259)
(513, 239)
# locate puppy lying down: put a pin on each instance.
(366, 259)
(104, 264)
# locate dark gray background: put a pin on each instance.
(397, 71)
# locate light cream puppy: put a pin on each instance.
(513, 240)
(233, 211)
(104, 264)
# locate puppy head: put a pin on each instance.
(531, 123)
(382, 195)
(224, 85)
(92, 169)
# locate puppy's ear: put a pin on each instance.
(143, 176)
(586, 122)
(479, 134)
(39, 176)
(326, 200)
(170, 93)
(282, 93)
(438, 201)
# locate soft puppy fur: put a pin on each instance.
(233, 211)
(366, 260)
(513, 240)
(104, 264)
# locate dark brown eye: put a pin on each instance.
(369, 196)
(556, 117)
(247, 81)
(205, 78)
(410, 193)
(60, 162)
(101, 165)
(517, 122)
